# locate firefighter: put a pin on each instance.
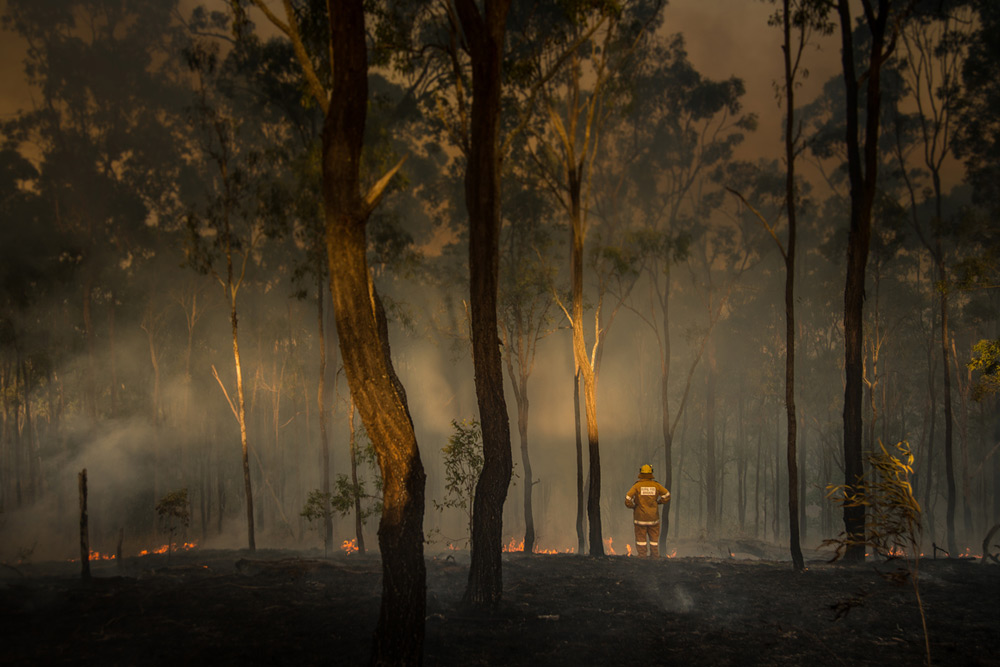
(643, 499)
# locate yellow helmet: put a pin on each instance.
(646, 469)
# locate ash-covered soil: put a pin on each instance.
(282, 608)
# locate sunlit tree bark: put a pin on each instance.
(364, 345)
(361, 324)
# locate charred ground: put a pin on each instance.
(224, 607)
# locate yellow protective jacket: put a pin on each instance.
(643, 498)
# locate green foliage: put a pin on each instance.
(174, 514)
(173, 509)
(892, 524)
(316, 511)
(348, 493)
(986, 360)
(463, 461)
(892, 515)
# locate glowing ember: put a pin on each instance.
(350, 546)
(672, 553)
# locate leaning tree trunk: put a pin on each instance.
(364, 346)
(485, 36)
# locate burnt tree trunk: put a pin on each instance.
(324, 441)
(581, 539)
(586, 370)
(84, 529)
(241, 406)
(863, 172)
(949, 455)
(485, 36)
(358, 523)
(364, 346)
(710, 473)
(665, 426)
(520, 384)
(790, 206)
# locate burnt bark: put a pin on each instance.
(710, 469)
(519, 381)
(324, 441)
(586, 372)
(241, 400)
(862, 172)
(522, 430)
(484, 34)
(364, 347)
(358, 523)
(581, 539)
(790, 207)
(84, 528)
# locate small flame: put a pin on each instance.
(608, 549)
(514, 545)
(95, 555)
(628, 549)
(350, 546)
(163, 548)
(672, 553)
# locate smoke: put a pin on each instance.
(122, 459)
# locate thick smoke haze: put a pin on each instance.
(116, 352)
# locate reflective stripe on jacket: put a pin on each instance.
(643, 498)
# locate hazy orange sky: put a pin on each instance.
(724, 37)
